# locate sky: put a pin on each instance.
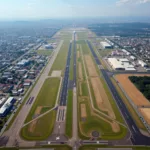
(38, 9)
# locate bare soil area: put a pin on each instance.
(83, 111)
(80, 71)
(33, 124)
(56, 73)
(90, 66)
(146, 114)
(136, 96)
(101, 97)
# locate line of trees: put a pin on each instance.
(143, 84)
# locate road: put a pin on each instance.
(75, 117)
(14, 130)
(63, 96)
(137, 138)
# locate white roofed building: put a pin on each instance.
(5, 109)
(121, 64)
(106, 45)
(142, 63)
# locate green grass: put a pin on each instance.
(82, 35)
(66, 35)
(84, 89)
(46, 97)
(129, 106)
(69, 114)
(60, 61)
(94, 122)
(85, 48)
(44, 52)
(105, 52)
(43, 128)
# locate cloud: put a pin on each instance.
(122, 2)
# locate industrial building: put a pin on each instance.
(106, 45)
(7, 106)
(133, 58)
(142, 63)
(121, 64)
(126, 52)
(49, 46)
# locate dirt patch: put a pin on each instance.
(90, 66)
(115, 127)
(146, 114)
(80, 71)
(101, 97)
(136, 96)
(33, 124)
(56, 73)
(83, 111)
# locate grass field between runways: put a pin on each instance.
(60, 61)
(45, 101)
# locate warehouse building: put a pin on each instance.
(126, 52)
(121, 64)
(106, 45)
(142, 63)
(7, 106)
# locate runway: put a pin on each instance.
(63, 96)
(74, 66)
(137, 138)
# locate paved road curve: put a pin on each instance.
(137, 138)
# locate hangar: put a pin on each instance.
(7, 106)
(106, 45)
(121, 64)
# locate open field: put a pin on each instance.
(93, 120)
(146, 114)
(80, 71)
(69, 114)
(42, 129)
(105, 52)
(82, 35)
(101, 98)
(129, 106)
(90, 66)
(83, 111)
(136, 96)
(65, 35)
(45, 101)
(60, 61)
(44, 52)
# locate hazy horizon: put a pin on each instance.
(46, 9)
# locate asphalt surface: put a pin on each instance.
(130, 72)
(63, 96)
(74, 66)
(137, 138)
